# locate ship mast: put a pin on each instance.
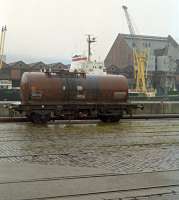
(90, 40)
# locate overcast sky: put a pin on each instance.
(54, 30)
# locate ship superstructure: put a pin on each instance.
(82, 63)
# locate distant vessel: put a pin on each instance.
(81, 63)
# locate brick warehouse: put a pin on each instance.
(13, 71)
(163, 60)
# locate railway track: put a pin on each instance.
(159, 193)
(76, 177)
(134, 117)
(108, 186)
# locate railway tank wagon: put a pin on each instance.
(70, 95)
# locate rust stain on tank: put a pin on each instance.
(53, 89)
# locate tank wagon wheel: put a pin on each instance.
(103, 119)
(115, 119)
(109, 119)
(39, 119)
(45, 118)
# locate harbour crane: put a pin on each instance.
(2, 44)
(139, 57)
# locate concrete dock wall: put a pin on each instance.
(158, 107)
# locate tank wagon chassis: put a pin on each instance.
(104, 112)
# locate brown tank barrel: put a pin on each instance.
(46, 88)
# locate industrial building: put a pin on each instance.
(162, 64)
(10, 76)
(13, 71)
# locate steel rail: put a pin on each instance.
(146, 116)
(111, 191)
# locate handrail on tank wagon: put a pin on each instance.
(65, 73)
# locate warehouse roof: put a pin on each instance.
(169, 38)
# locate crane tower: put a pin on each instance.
(2, 44)
(139, 57)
